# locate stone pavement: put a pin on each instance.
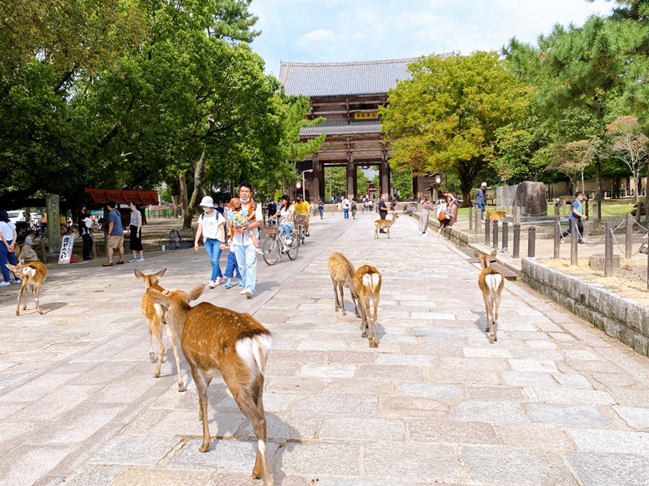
(553, 402)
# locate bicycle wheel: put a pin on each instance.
(293, 249)
(302, 234)
(271, 250)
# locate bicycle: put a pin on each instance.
(173, 241)
(274, 246)
(301, 228)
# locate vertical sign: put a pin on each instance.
(66, 249)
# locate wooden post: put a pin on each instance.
(628, 249)
(557, 233)
(608, 250)
(574, 239)
(470, 218)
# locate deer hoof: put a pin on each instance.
(364, 334)
(152, 357)
(205, 447)
(17, 313)
(181, 387)
(40, 312)
(156, 374)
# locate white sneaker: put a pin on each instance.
(248, 294)
(4, 284)
(289, 241)
(243, 292)
(141, 259)
(259, 251)
(212, 284)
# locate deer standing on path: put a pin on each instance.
(342, 275)
(32, 275)
(385, 224)
(491, 282)
(367, 282)
(217, 339)
(153, 316)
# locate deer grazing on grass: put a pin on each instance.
(491, 282)
(342, 275)
(367, 281)
(216, 339)
(32, 275)
(153, 316)
(385, 224)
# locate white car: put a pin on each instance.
(15, 216)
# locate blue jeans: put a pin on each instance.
(321, 212)
(232, 266)
(286, 229)
(346, 213)
(247, 259)
(481, 207)
(6, 256)
(213, 247)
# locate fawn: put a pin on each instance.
(152, 315)
(491, 282)
(32, 274)
(342, 275)
(217, 339)
(367, 281)
(380, 224)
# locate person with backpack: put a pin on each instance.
(211, 228)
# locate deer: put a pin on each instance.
(367, 281)
(153, 316)
(342, 275)
(495, 215)
(385, 224)
(33, 275)
(491, 283)
(216, 339)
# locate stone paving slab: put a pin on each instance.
(553, 402)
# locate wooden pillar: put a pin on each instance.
(385, 176)
(317, 182)
(351, 177)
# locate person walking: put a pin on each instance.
(115, 234)
(8, 236)
(85, 230)
(481, 199)
(345, 208)
(210, 227)
(423, 215)
(135, 234)
(382, 208)
(321, 205)
(443, 215)
(576, 213)
(243, 244)
(354, 208)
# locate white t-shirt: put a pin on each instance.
(242, 239)
(284, 214)
(211, 223)
(7, 230)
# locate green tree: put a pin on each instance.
(629, 145)
(445, 118)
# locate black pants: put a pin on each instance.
(87, 246)
(580, 228)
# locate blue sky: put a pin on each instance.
(364, 30)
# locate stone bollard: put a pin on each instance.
(608, 250)
(557, 233)
(495, 237)
(517, 240)
(487, 231)
(505, 235)
(470, 218)
(628, 247)
(531, 242)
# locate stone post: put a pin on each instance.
(53, 226)
(557, 233)
(517, 240)
(574, 239)
(608, 250)
(628, 250)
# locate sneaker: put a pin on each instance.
(212, 284)
(4, 284)
(17, 281)
(289, 241)
(581, 242)
(108, 264)
(243, 292)
(120, 262)
(248, 294)
(219, 280)
(307, 234)
(228, 285)
(132, 260)
(259, 251)
(240, 283)
(141, 259)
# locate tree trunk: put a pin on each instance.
(198, 189)
(598, 186)
(174, 202)
(182, 186)
(636, 182)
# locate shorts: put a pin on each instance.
(115, 242)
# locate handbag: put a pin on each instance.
(442, 216)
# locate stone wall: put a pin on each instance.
(622, 319)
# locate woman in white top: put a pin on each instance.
(210, 226)
(8, 237)
(286, 223)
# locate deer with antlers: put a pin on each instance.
(32, 275)
(217, 339)
(367, 281)
(384, 224)
(342, 275)
(153, 316)
(491, 283)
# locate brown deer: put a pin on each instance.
(495, 215)
(342, 275)
(153, 316)
(491, 282)
(385, 224)
(217, 339)
(367, 281)
(33, 275)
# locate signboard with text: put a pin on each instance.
(359, 115)
(66, 249)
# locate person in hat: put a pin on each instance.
(481, 198)
(211, 228)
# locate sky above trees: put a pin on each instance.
(364, 30)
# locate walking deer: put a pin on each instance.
(495, 215)
(153, 316)
(32, 275)
(342, 275)
(384, 224)
(491, 282)
(217, 339)
(367, 281)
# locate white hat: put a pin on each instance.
(207, 202)
(483, 184)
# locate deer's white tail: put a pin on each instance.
(372, 281)
(254, 351)
(493, 281)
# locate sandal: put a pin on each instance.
(108, 264)
(120, 262)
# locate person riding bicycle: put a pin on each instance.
(285, 214)
(302, 209)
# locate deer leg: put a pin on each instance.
(202, 381)
(388, 232)
(495, 318)
(376, 233)
(20, 294)
(156, 326)
(342, 298)
(355, 300)
(151, 353)
(38, 306)
(335, 294)
(174, 347)
(376, 323)
(26, 290)
(487, 307)
(364, 317)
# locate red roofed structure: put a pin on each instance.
(102, 196)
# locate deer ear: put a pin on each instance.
(161, 273)
(196, 292)
(493, 253)
(477, 254)
(138, 274)
(158, 297)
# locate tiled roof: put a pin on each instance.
(341, 127)
(342, 78)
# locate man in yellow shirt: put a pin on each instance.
(302, 209)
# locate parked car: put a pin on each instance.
(16, 216)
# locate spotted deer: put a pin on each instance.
(216, 339)
(367, 281)
(32, 275)
(385, 224)
(342, 275)
(491, 283)
(152, 315)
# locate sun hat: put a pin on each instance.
(483, 184)
(207, 202)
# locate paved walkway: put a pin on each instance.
(554, 402)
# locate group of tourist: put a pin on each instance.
(447, 208)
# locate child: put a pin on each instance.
(231, 268)
(28, 254)
(238, 219)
